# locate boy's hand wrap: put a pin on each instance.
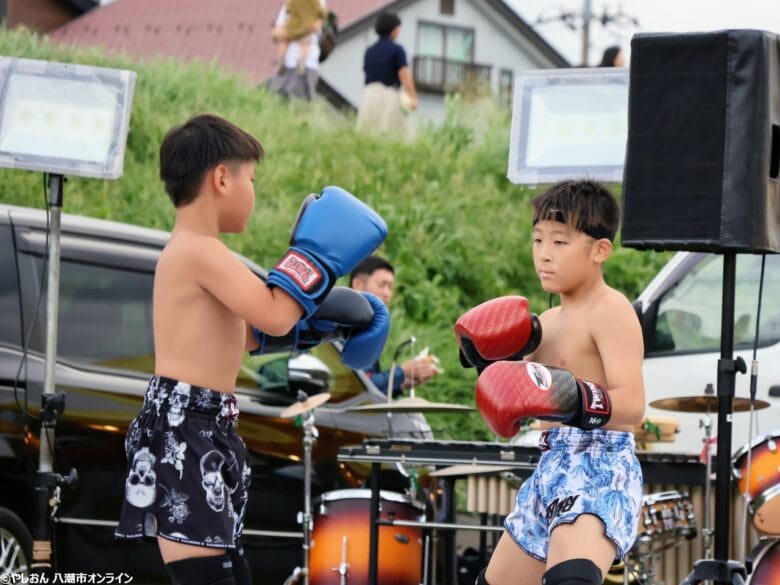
(499, 329)
(332, 233)
(359, 319)
(508, 392)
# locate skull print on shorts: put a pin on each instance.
(180, 397)
(141, 483)
(212, 481)
(188, 470)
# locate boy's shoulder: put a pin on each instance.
(611, 311)
(192, 250)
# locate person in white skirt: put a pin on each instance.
(389, 93)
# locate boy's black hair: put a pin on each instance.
(386, 23)
(586, 205)
(191, 149)
(369, 265)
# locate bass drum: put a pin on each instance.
(763, 485)
(766, 563)
(341, 539)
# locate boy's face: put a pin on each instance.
(239, 196)
(564, 257)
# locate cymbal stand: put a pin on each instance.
(310, 435)
(706, 532)
(721, 569)
(391, 381)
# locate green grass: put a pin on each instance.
(459, 232)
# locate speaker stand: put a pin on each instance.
(721, 570)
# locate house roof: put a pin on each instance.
(236, 32)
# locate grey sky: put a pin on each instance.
(653, 16)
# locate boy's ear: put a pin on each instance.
(219, 177)
(603, 249)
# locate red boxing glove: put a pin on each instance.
(499, 329)
(508, 392)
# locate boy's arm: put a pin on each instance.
(228, 280)
(618, 337)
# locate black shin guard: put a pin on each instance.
(215, 570)
(573, 572)
(481, 578)
(242, 574)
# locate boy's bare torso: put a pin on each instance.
(567, 341)
(197, 339)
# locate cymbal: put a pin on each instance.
(467, 469)
(704, 403)
(412, 405)
(310, 403)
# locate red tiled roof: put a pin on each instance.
(236, 32)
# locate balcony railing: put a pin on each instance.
(439, 75)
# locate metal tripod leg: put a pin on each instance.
(310, 434)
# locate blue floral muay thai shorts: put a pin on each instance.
(188, 470)
(579, 472)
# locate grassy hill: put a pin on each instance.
(459, 232)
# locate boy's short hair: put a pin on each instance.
(586, 205)
(191, 149)
(369, 265)
(386, 23)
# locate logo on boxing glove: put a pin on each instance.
(596, 401)
(539, 375)
(300, 269)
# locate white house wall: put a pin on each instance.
(496, 43)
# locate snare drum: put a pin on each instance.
(762, 488)
(666, 516)
(766, 564)
(341, 533)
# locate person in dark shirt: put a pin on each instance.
(389, 92)
(376, 275)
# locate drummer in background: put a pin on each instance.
(377, 276)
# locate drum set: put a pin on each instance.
(336, 524)
(667, 518)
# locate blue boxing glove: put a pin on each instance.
(358, 319)
(364, 346)
(332, 233)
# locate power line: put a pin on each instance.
(582, 20)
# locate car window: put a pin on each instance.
(10, 320)
(688, 317)
(260, 376)
(105, 314)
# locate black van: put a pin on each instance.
(104, 359)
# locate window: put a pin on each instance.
(445, 42)
(505, 78)
(10, 326)
(447, 6)
(689, 313)
(105, 314)
(444, 60)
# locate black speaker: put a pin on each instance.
(702, 157)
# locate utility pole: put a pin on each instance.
(587, 14)
(581, 20)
